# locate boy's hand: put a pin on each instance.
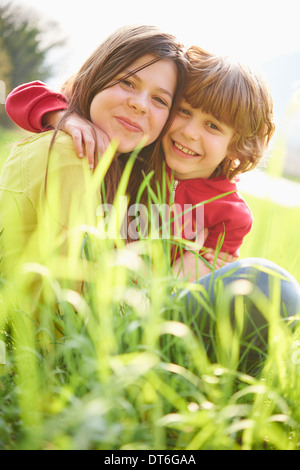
(88, 139)
(222, 259)
(188, 267)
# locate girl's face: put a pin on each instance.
(137, 106)
(196, 143)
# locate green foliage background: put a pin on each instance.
(24, 45)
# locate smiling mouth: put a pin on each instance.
(129, 125)
(186, 151)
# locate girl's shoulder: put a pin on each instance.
(44, 139)
(38, 148)
(31, 157)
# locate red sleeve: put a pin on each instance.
(233, 228)
(27, 104)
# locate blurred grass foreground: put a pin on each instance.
(115, 366)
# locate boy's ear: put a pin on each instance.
(230, 156)
(233, 160)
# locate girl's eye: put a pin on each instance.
(160, 101)
(127, 83)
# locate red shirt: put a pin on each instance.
(229, 215)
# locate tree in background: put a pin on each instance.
(24, 46)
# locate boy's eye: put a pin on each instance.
(213, 126)
(184, 111)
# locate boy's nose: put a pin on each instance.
(192, 131)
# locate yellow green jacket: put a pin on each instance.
(43, 196)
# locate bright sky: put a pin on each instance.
(252, 31)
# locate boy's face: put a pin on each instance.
(196, 143)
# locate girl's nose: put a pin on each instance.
(139, 103)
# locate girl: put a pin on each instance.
(129, 87)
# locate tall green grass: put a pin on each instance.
(274, 234)
(120, 363)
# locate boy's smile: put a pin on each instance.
(182, 151)
(196, 143)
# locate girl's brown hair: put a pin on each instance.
(113, 56)
(237, 96)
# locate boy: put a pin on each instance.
(221, 129)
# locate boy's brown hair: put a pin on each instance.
(237, 96)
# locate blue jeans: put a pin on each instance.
(256, 282)
(260, 273)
